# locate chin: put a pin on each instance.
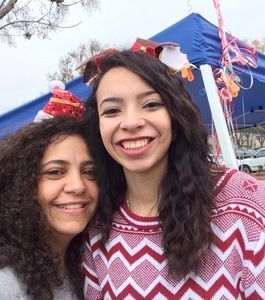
(138, 168)
(70, 230)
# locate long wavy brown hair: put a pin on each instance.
(23, 227)
(186, 190)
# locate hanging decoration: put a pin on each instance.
(62, 102)
(167, 52)
(227, 78)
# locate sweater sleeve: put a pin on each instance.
(240, 204)
(10, 288)
(91, 283)
(253, 276)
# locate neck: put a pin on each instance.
(143, 209)
(142, 194)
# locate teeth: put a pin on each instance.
(135, 144)
(71, 206)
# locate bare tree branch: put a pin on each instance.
(40, 23)
(71, 4)
(6, 9)
(27, 3)
(67, 66)
(1, 5)
(37, 17)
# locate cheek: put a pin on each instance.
(42, 193)
(47, 192)
(168, 123)
(93, 190)
(43, 204)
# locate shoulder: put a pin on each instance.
(10, 287)
(239, 198)
(65, 292)
(7, 275)
(234, 185)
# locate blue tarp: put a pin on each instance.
(199, 39)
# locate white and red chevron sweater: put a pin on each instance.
(133, 266)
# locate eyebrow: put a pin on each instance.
(64, 162)
(119, 100)
(145, 94)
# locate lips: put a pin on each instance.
(71, 205)
(135, 144)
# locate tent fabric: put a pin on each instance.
(24, 114)
(199, 39)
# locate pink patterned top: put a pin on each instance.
(132, 264)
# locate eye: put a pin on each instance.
(89, 173)
(110, 111)
(53, 173)
(153, 104)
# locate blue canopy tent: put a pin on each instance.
(199, 39)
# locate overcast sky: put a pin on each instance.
(118, 22)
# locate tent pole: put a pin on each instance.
(218, 117)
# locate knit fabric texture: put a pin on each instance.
(132, 264)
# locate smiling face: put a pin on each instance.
(135, 125)
(68, 191)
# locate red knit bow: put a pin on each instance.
(139, 47)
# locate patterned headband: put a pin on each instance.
(167, 52)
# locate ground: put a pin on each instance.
(260, 175)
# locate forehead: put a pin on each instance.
(66, 146)
(121, 79)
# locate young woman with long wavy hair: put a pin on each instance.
(171, 223)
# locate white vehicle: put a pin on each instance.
(254, 163)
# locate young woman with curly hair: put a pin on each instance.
(48, 194)
(171, 224)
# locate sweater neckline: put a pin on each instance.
(139, 221)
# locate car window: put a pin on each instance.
(261, 153)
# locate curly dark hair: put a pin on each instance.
(23, 227)
(186, 190)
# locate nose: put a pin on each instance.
(75, 184)
(132, 121)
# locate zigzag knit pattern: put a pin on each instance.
(132, 264)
